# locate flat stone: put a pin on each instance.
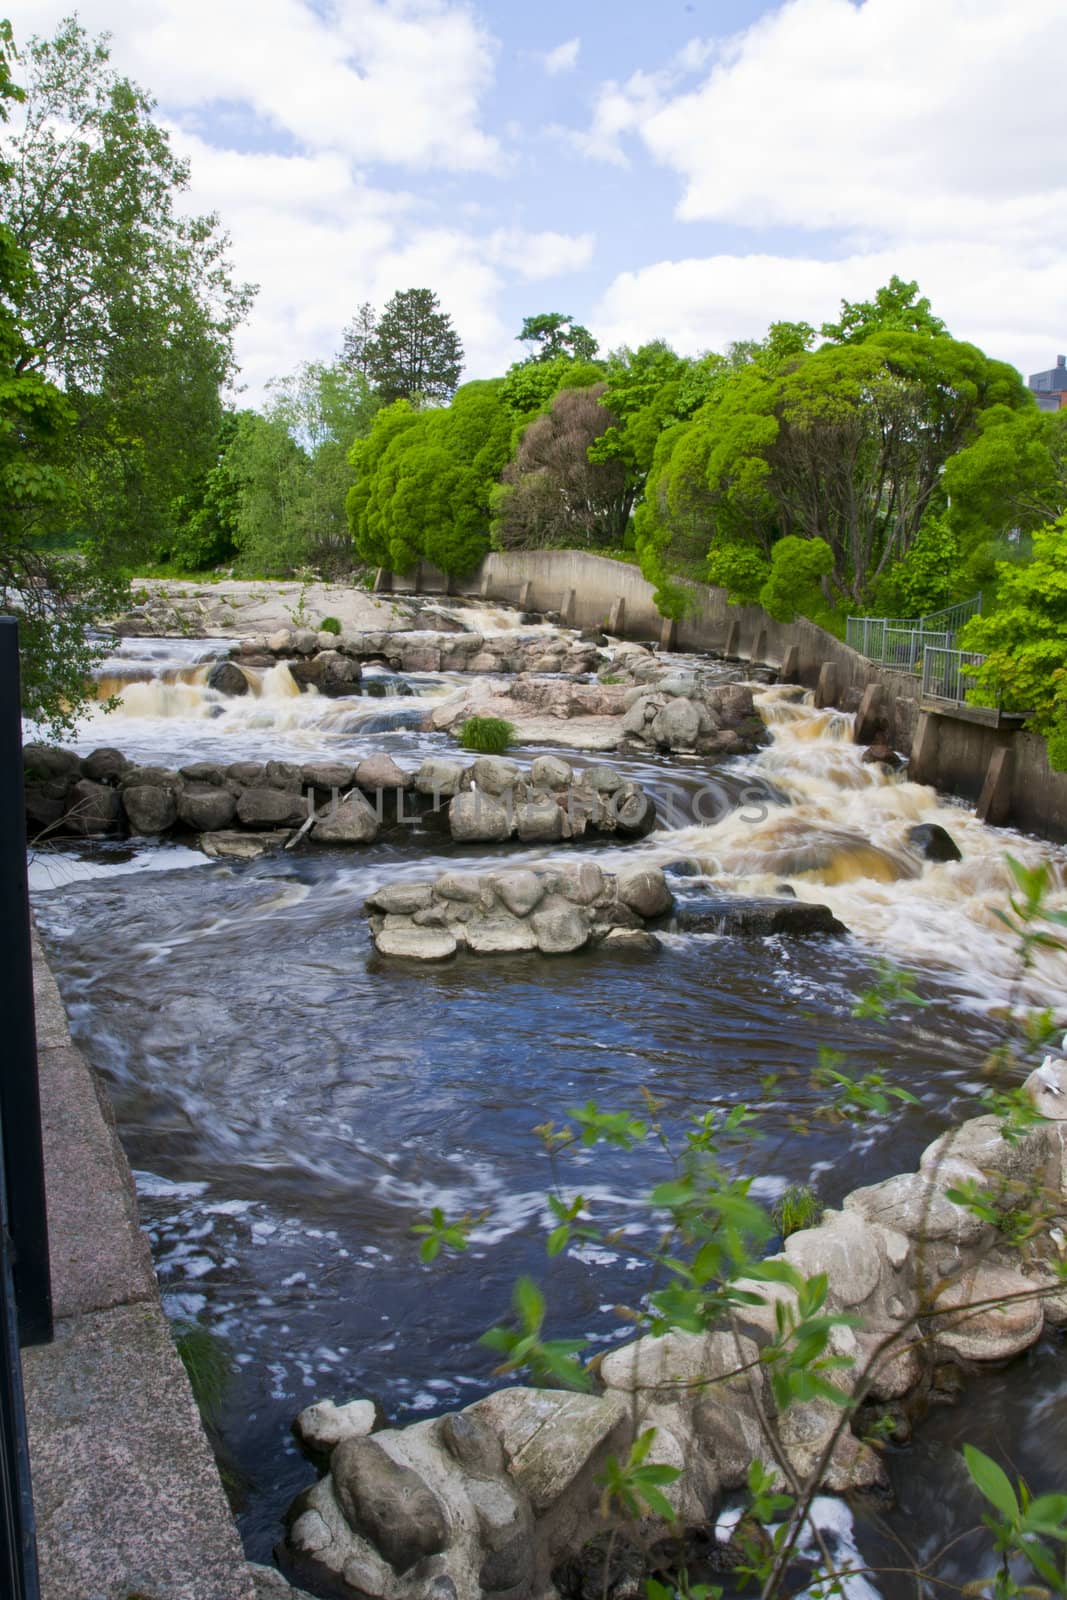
(994, 1332)
(417, 944)
(499, 935)
(403, 899)
(236, 846)
(551, 1437)
(126, 1492)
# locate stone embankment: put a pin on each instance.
(495, 1499)
(246, 807)
(500, 913)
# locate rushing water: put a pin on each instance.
(292, 1103)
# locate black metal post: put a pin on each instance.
(25, 1286)
(20, 1107)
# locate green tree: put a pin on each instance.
(415, 353)
(133, 306)
(530, 386)
(555, 333)
(358, 339)
(896, 308)
(205, 515)
(1025, 640)
(423, 481)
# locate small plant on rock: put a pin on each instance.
(488, 735)
(799, 1207)
(329, 625)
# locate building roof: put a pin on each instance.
(1052, 382)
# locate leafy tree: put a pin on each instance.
(529, 386)
(133, 305)
(205, 516)
(1012, 477)
(1025, 640)
(794, 584)
(896, 308)
(55, 594)
(269, 473)
(555, 333)
(423, 481)
(358, 339)
(415, 353)
(552, 493)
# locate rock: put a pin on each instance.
(520, 891)
(351, 821)
(913, 1205)
(271, 808)
(559, 930)
(280, 643)
(677, 726)
(282, 775)
(680, 1366)
(209, 772)
(473, 1443)
(882, 755)
(467, 887)
(632, 939)
(249, 774)
(336, 674)
(105, 766)
(401, 899)
(325, 776)
(495, 775)
(206, 808)
(45, 800)
(583, 883)
(304, 641)
(1046, 1090)
(805, 1430)
(991, 1332)
(980, 1141)
(150, 808)
(634, 812)
(643, 711)
(268, 1584)
(549, 772)
(93, 809)
(439, 778)
(845, 1247)
(758, 918)
(551, 1437)
(603, 780)
(47, 761)
(226, 677)
(539, 822)
(324, 1425)
(476, 818)
(388, 1503)
(236, 846)
(499, 935)
(417, 944)
(381, 772)
(934, 842)
(644, 890)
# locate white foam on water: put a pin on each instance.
(55, 869)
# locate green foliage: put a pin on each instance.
(439, 1234)
(929, 575)
(1025, 641)
(555, 333)
(550, 1361)
(1022, 1526)
(414, 353)
(329, 625)
(490, 736)
(207, 1364)
(530, 386)
(636, 1485)
(799, 1207)
(424, 478)
(896, 308)
(741, 569)
(794, 586)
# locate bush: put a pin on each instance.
(488, 735)
(329, 625)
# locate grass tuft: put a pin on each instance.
(799, 1207)
(329, 625)
(488, 735)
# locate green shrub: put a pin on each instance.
(488, 735)
(799, 1207)
(329, 625)
(610, 677)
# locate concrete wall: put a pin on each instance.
(956, 755)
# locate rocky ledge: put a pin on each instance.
(419, 650)
(554, 912)
(499, 1498)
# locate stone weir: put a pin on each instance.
(244, 808)
(503, 1497)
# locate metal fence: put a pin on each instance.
(25, 1292)
(948, 674)
(901, 641)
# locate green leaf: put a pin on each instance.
(992, 1481)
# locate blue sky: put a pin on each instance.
(692, 169)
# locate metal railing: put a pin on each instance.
(949, 674)
(25, 1290)
(901, 641)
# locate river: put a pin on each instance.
(292, 1103)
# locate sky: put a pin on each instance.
(689, 170)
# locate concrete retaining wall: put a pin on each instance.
(1004, 771)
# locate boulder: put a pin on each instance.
(325, 776)
(93, 809)
(439, 778)
(584, 883)
(417, 944)
(539, 822)
(634, 812)
(644, 890)
(495, 774)
(41, 761)
(681, 1366)
(549, 772)
(304, 641)
(249, 774)
(476, 818)
(603, 780)
(150, 808)
(991, 1332)
(381, 772)
(388, 1503)
(204, 807)
(845, 1247)
(105, 766)
(758, 918)
(46, 801)
(552, 1437)
(233, 845)
(271, 808)
(325, 1425)
(1046, 1089)
(226, 677)
(934, 842)
(914, 1205)
(352, 820)
(283, 775)
(519, 891)
(677, 726)
(281, 642)
(559, 929)
(400, 899)
(209, 772)
(336, 674)
(499, 934)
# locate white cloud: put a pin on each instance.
(564, 58)
(984, 291)
(396, 81)
(540, 255)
